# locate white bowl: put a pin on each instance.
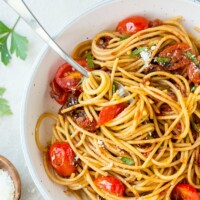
(37, 100)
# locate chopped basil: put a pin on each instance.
(162, 60)
(192, 57)
(114, 87)
(193, 88)
(195, 127)
(127, 161)
(138, 51)
(90, 60)
(124, 37)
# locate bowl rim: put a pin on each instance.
(29, 81)
(12, 171)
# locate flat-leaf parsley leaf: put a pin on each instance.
(4, 106)
(18, 43)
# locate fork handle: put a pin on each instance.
(24, 12)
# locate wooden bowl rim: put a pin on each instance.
(8, 167)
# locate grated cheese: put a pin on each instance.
(6, 186)
(146, 57)
(100, 143)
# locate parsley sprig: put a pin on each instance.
(18, 43)
(4, 106)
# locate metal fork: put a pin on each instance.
(24, 12)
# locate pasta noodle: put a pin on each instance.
(158, 130)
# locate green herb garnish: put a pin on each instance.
(124, 37)
(127, 161)
(114, 87)
(4, 107)
(162, 60)
(195, 127)
(192, 57)
(89, 59)
(193, 88)
(18, 43)
(138, 51)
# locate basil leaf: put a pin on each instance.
(192, 57)
(138, 51)
(162, 60)
(127, 161)
(19, 44)
(89, 59)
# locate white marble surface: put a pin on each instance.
(53, 15)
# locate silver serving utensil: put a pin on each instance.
(24, 12)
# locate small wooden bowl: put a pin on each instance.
(8, 167)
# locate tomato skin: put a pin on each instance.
(132, 25)
(67, 77)
(176, 53)
(58, 93)
(194, 73)
(62, 158)
(111, 185)
(81, 119)
(184, 191)
(110, 112)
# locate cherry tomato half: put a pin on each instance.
(184, 192)
(132, 25)
(62, 158)
(110, 112)
(194, 73)
(176, 54)
(67, 77)
(111, 185)
(58, 93)
(81, 119)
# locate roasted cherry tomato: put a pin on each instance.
(176, 54)
(184, 192)
(62, 158)
(58, 93)
(155, 23)
(67, 77)
(132, 25)
(110, 112)
(81, 119)
(111, 185)
(194, 73)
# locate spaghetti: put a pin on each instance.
(153, 143)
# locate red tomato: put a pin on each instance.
(111, 185)
(184, 192)
(176, 54)
(67, 77)
(132, 25)
(58, 93)
(81, 119)
(194, 73)
(110, 112)
(62, 158)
